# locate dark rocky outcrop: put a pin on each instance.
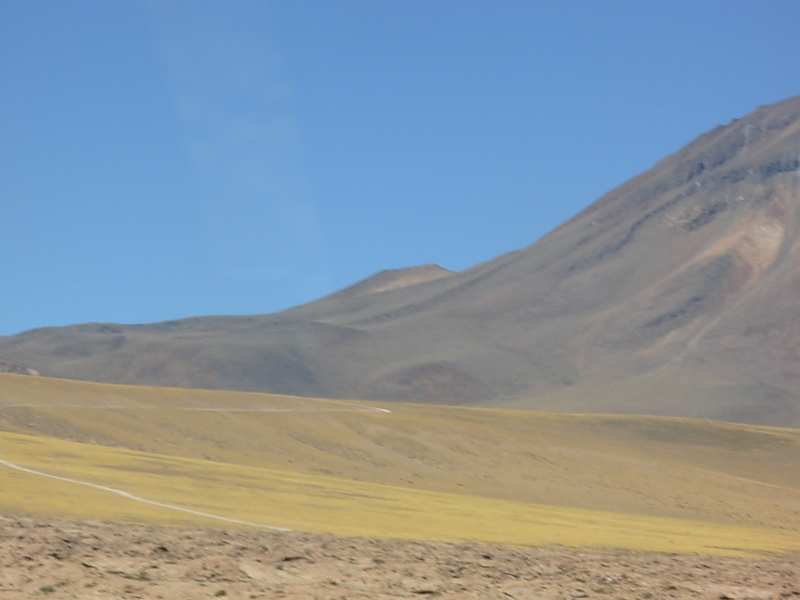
(9, 366)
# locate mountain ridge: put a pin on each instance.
(675, 292)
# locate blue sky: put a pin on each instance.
(164, 159)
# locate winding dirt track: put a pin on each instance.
(129, 496)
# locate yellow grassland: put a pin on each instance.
(426, 472)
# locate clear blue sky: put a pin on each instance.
(177, 158)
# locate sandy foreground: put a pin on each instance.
(90, 560)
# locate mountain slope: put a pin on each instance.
(674, 294)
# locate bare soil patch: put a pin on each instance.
(97, 560)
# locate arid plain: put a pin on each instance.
(305, 494)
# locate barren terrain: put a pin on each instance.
(123, 491)
(97, 560)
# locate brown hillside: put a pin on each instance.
(675, 294)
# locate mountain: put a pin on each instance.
(675, 294)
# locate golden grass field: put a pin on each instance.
(422, 472)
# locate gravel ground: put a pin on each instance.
(93, 560)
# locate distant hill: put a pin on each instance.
(677, 293)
